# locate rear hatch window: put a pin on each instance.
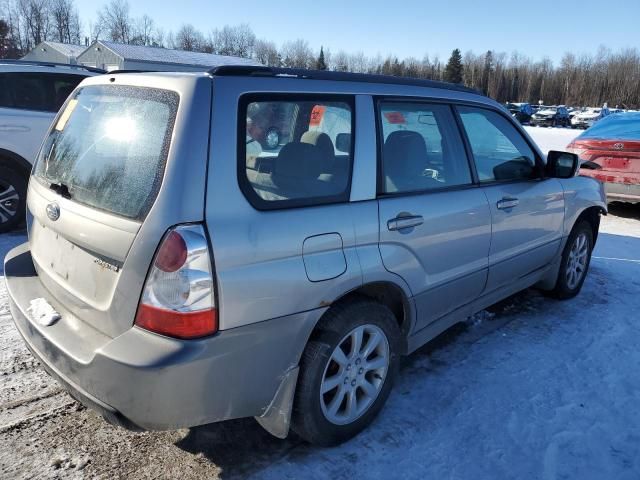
(108, 147)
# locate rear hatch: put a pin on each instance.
(618, 160)
(96, 195)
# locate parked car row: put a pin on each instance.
(558, 115)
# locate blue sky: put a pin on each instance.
(536, 28)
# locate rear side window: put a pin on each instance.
(421, 148)
(500, 152)
(36, 91)
(295, 151)
(108, 147)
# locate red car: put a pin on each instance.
(610, 152)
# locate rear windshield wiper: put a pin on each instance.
(61, 189)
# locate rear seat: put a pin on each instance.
(296, 174)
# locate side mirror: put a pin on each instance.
(343, 142)
(561, 164)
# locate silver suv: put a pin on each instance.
(178, 274)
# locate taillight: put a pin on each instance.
(178, 296)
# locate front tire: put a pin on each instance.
(574, 265)
(13, 194)
(346, 372)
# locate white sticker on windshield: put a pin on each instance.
(64, 118)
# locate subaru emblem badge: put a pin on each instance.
(53, 211)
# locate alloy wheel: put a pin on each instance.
(577, 261)
(9, 202)
(355, 374)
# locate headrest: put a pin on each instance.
(62, 94)
(320, 140)
(405, 153)
(298, 161)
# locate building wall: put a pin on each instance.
(102, 58)
(49, 55)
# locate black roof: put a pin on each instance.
(249, 71)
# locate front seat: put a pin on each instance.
(404, 157)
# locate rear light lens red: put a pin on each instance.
(185, 325)
(178, 297)
(172, 253)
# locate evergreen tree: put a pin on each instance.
(487, 71)
(8, 47)
(453, 70)
(320, 63)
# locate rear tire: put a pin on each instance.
(575, 262)
(356, 376)
(13, 195)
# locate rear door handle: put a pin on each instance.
(507, 203)
(410, 221)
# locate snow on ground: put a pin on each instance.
(549, 138)
(532, 388)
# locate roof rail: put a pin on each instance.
(252, 71)
(117, 72)
(51, 64)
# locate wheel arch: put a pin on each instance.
(388, 294)
(592, 216)
(15, 161)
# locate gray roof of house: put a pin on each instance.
(67, 49)
(181, 57)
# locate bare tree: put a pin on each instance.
(266, 53)
(297, 54)
(144, 31)
(188, 38)
(115, 21)
(65, 21)
(32, 22)
(237, 41)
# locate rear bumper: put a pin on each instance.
(140, 380)
(624, 192)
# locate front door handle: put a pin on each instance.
(409, 221)
(507, 202)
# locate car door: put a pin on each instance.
(527, 211)
(435, 225)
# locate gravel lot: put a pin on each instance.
(531, 388)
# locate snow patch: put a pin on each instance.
(42, 312)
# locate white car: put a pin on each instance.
(30, 95)
(587, 118)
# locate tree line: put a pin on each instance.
(580, 80)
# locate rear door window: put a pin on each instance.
(45, 92)
(500, 152)
(421, 148)
(295, 151)
(108, 147)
